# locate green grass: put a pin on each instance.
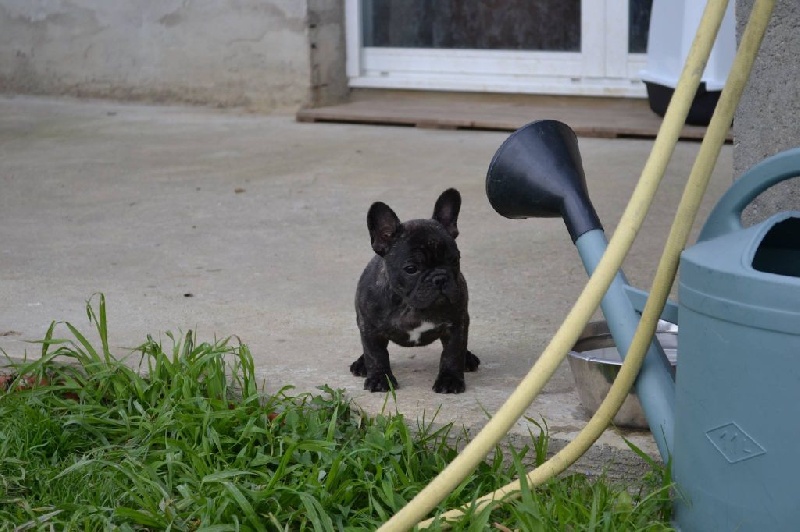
(188, 441)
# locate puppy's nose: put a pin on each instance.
(439, 280)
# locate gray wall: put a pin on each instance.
(254, 53)
(768, 118)
(327, 45)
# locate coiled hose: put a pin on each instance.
(620, 244)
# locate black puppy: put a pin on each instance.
(412, 293)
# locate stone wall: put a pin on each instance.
(768, 118)
(253, 53)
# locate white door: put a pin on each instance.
(587, 47)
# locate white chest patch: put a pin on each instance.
(416, 333)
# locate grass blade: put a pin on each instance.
(244, 505)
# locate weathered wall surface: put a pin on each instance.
(767, 121)
(254, 53)
(327, 46)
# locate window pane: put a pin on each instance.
(552, 25)
(638, 25)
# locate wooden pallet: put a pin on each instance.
(589, 117)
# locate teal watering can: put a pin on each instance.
(728, 419)
(737, 403)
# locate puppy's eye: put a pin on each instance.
(410, 269)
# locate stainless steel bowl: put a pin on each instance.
(595, 363)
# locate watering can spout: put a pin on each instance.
(537, 172)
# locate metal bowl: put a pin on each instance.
(595, 363)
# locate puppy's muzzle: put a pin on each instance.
(439, 280)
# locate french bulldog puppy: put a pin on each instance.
(412, 293)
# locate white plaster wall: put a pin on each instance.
(253, 53)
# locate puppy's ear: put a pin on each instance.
(446, 210)
(384, 227)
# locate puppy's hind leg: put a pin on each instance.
(359, 367)
(471, 362)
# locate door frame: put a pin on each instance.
(602, 68)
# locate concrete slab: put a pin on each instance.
(261, 220)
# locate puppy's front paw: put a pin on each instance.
(359, 368)
(380, 383)
(449, 383)
(472, 362)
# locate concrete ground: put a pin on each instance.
(235, 224)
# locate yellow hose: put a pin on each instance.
(668, 266)
(592, 294)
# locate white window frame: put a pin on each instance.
(603, 68)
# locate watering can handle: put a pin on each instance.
(726, 216)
